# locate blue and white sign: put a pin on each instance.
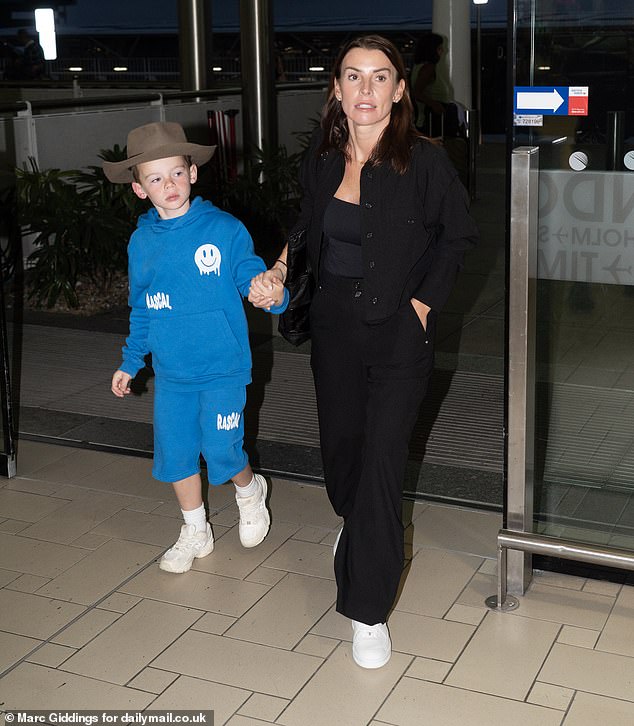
(541, 100)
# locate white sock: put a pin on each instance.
(196, 517)
(249, 490)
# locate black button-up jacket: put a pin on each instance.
(415, 227)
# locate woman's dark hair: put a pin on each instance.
(426, 50)
(396, 141)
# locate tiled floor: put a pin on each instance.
(87, 620)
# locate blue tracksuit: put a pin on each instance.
(187, 277)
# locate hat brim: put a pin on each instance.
(120, 172)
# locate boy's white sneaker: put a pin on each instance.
(371, 644)
(190, 545)
(254, 516)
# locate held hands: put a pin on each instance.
(120, 384)
(267, 288)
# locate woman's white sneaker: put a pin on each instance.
(254, 516)
(371, 644)
(190, 545)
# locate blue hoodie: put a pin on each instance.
(187, 277)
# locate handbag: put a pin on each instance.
(294, 322)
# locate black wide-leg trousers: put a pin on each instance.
(370, 380)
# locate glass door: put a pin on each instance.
(574, 100)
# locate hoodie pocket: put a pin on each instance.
(195, 346)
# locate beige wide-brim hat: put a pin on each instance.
(155, 141)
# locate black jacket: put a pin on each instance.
(415, 227)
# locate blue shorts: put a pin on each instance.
(190, 423)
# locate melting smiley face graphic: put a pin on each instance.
(207, 259)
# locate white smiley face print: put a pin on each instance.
(207, 258)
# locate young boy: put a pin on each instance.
(190, 264)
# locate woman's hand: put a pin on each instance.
(267, 288)
(422, 311)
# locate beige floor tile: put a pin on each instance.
(266, 576)
(465, 614)
(263, 707)
(230, 558)
(153, 680)
(480, 587)
(90, 541)
(433, 581)
(429, 637)
(221, 497)
(617, 635)
(59, 690)
(237, 663)
(458, 530)
(14, 647)
(27, 507)
(557, 579)
(504, 656)
(127, 475)
(214, 623)
(594, 671)
(75, 518)
(6, 576)
(428, 670)
(34, 455)
(569, 607)
(543, 694)
(603, 587)
(101, 571)
(119, 602)
(193, 589)
(13, 526)
(354, 693)
(591, 710)
(316, 645)
(140, 527)
(489, 567)
(51, 655)
(86, 628)
(131, 643)
(73, 467)
(27, 583)
(581, 637)
(331, 537)
(227, 517)
(304, 504)
(33, 486)
(170, 508)
(311, 534)
(37, 558)
(333, 625)
(33, 615)
(142, 504)
(239, 720)
(561, 605)
(193, 694)
(303, 558)
(416, 702)
(287, 611)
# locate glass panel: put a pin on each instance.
(584, 423)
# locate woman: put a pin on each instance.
(436, 114)
(387, 226)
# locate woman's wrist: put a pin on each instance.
(281, 267)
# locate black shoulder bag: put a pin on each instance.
(294, 322)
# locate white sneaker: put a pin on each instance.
(254, 516)
(371, 644)
(190, 545)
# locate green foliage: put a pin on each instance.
(81, 223)
(266, 196)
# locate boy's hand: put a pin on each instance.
(267, 289)
(120, 383)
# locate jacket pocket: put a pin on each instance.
(195, 346)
